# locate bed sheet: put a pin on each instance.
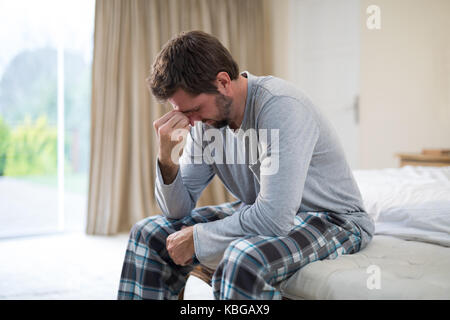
(411, 203)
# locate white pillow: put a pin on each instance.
(410, 202)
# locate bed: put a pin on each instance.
(408, 257)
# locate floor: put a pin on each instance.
(31, 208)
(61, 266)
(70, 266)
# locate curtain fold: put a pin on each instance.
(128, 36)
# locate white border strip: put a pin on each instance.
(61, 128)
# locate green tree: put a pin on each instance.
(29, 87)
(32, 149)
(4, 144)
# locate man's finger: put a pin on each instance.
(183, 123)
(176, 120)
(169, 125)
(159, 122)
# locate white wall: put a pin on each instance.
(405, 80)
(316, 46)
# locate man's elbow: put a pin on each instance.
(173, 212)
(283, 228)
(177, 213)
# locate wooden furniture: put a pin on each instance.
(428, 157)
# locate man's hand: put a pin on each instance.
(170, 129)
(180, 246)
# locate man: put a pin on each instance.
(298, 200)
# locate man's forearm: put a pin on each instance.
(169, 171)
(171, 194)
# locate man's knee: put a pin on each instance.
(242, 251)
(147, 227)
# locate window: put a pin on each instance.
(45, 84)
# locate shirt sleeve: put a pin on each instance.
(284, 164)
(179, 198)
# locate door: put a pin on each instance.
(325, 63)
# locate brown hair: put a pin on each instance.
(190, 61)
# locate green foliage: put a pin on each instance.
(32, 149)
(28, 87)
(4, 144)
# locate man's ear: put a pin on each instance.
(223, 83)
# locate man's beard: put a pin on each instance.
(223, 104)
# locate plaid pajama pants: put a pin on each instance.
(251, 267)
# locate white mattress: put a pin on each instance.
(411, 247)
(407, 270)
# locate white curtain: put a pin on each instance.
(128, 36)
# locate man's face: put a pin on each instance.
(211, 109)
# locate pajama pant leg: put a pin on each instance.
(253, 266)
(148, 271)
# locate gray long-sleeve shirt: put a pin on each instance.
(300, 167)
